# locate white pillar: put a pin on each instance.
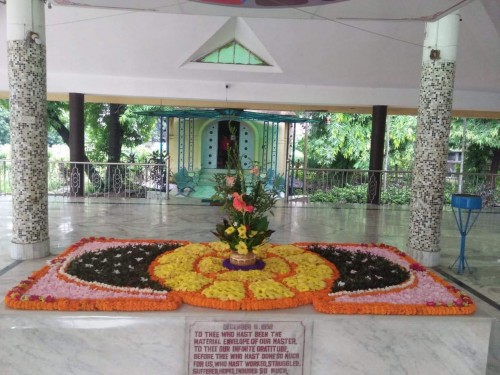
(24, 16)
(28, 124)
(431, 146)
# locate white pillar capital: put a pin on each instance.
(442, 35)
(24, 16)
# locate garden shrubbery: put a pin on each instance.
(346, 194)
(358, 194)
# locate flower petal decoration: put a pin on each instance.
(63, 285)
(140, 275)
(241, 248)
(239, 203)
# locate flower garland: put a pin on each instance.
(138, 275)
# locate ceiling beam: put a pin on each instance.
(89, 98)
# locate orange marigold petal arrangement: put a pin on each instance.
(139, 275)
(97, 274)
(420, 292)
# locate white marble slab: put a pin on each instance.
(155, 343)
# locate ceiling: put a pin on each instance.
(354, 53)
(423, 10)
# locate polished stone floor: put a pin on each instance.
(190, 219)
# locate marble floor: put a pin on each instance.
(189, 219)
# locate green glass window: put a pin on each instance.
(232, 53)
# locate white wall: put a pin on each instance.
(134, 54)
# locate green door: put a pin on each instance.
(247, 146)
(210, 146)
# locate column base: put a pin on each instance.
(427, 258)
(23, 251)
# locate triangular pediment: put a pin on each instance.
(234, 46)
(232, 53)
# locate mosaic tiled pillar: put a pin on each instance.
(28, 128)
(431, 146)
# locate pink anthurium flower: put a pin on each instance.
(239, 204)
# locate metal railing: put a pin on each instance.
(355, 186)
(486, 185)
(109, 180)
(126, 180)
(5, 177)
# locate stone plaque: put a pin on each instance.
(246, 347)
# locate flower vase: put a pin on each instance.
(237, 259)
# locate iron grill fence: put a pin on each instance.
(356, 186)
(110, 180)
(135, 180)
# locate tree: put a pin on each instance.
(341, 140)
(4, 122)
(112, 126)
(482, 144)
(402, 131)
(58, 119)
(115, 132)
(108, 127)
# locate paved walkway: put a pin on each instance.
(189, 219)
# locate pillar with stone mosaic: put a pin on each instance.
(431, 146)
(28, 128)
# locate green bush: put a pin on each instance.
(347, 194)
(358, 194)
(400, 196)
(450, 187)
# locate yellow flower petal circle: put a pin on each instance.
(197, 274)
(225, 290)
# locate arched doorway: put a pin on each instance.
(216, 139)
